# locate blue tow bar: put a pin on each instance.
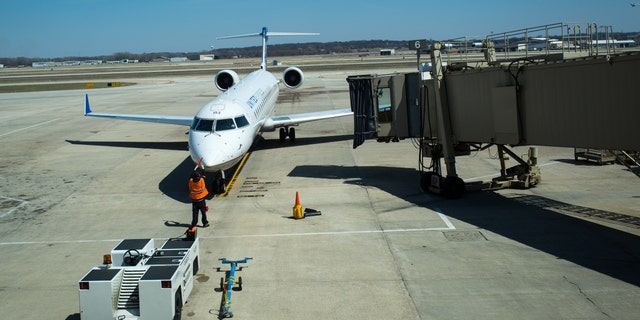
(227, 286)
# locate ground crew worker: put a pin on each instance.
(197, 193)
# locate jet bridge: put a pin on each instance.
(585, 102)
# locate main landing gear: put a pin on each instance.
(290, 132)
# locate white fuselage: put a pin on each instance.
(224, 129)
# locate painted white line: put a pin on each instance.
(22, 203)
(327, 233)
(57, 242)
(301, 234)
(549, 163)
(444, 218)
(29, 127)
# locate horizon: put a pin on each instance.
(75, 28)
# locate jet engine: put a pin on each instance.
(225, 79)
(292, 77)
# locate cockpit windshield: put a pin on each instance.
(202, 124)
(208, 125)
(225, 124)
(241, 121)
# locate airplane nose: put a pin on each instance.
(204, 146)
(208, 162)
(196, 147)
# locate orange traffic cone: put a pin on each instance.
(297, 208)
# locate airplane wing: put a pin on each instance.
(179, 120)
(293, 119)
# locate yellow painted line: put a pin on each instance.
(233, 177)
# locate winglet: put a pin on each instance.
(87, 109)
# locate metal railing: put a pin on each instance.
(584, 39)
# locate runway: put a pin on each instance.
(72, 187)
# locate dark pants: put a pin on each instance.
(199, 205)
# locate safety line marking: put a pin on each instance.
(29, 127)
(235, 174)
(58, 242)
(329, 233)
(444, 218)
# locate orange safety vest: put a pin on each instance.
(197, 190)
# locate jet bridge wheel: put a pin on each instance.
(425, 181)
(450, 187)
(453, 187)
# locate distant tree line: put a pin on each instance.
(294, 49)
(291, 49)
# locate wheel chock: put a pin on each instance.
(308, 212)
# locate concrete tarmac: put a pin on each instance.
(72, 187)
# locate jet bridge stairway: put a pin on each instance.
(630, 159)
(588, 102)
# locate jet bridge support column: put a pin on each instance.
(452, 186)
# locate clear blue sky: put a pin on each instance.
(60, 28)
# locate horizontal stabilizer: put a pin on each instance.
(269, 34)
(265, 34)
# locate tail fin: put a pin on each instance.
(87, 109)
(265, 36)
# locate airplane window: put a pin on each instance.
(202, 125)
(225, 124)
(242, 121)
(384, 105)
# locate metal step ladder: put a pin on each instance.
(129, 298)
(629, 159)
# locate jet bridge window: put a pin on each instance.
(384, 105)
(225, 124)
(202, 125)
(242, 122)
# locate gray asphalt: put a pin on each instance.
(71, 187)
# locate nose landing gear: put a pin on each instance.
(219, 184)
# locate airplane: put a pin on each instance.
(635, 4)
(223, 130)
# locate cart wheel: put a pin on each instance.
(239, 284)
(177, 315)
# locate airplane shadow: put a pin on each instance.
(266, 144)
(178, 145)
(527, 219)
(174, 184)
